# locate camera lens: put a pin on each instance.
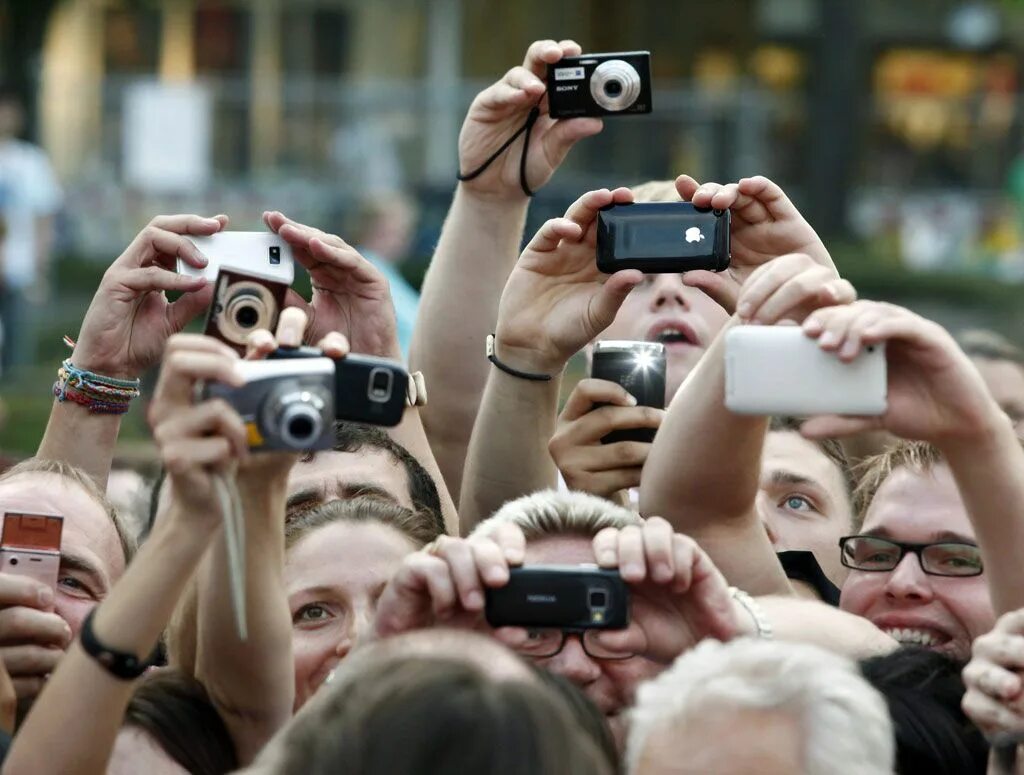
(301, 425)
(613, 88)
(14, 561)
(246, 316)
(381, 381)
(598, 598)
(615, 85)
(275, 255)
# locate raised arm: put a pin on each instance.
(937, 395)
(352, 297)
(479, 244)
(125, 330)
(82, 699)
(712, 496)
(555, 302)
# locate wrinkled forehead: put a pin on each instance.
(88, 529)
(918, 506)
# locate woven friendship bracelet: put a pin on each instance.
(99, 394)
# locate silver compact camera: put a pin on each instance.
(600, 85)
(285, 404)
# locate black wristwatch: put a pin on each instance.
(119, 664)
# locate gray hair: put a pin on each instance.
(844, 721)
(551, 513)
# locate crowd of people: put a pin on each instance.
(828, 595)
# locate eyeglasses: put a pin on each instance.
(545, 643)
(873, 554)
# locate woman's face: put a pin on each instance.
(333, 578)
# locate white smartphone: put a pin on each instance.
(30, 546)
(254, 253)
(779, 370)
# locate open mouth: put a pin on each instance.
(912, 636)
(673, 335)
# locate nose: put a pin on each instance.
(908, 582)
(668, 290)
(573, 663)
(359, 628)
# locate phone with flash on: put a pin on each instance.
(30, 546)
(639, 367)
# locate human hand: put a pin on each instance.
(994, 700)
(935, 394)
(32, 637)
(791, 287)
(8, 701)
(556, 300)
(677, 595)
(444, 583)
(129, 321)
(501, 109)
(587, 464)
(350, 295)
(196, 440)
(765, 224)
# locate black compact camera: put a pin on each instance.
(662, 237)
(291, 400)
(563, 596)
(243, 303)
(600, 85)
(640, 368)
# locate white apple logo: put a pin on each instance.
(693, 234)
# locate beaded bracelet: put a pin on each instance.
(97, 393)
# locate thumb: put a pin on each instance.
(604, 305)
(188, 306)
(717, 285)
(832, 426)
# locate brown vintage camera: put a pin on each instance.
(242, 304)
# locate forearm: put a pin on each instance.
(81, 699)
(508, 455)
(989, 472)
(250, 682)
(411, 434)
(806, 621)
(711, 495)
(477, 250)
(77, 436)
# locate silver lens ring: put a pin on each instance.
(615, 85)
(301, 420)
(249, 306)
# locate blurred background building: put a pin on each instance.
(898, 127)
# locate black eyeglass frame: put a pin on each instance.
(565, 633)
(915, 548)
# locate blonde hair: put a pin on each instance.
(655, 191)
(918, 456)
(982, 343)
(552, 513)
(76, 476)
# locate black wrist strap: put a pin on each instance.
(527, 128)
(493, 358)
(119, 664)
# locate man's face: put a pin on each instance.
(610, 684)
(771, 744)
(333, 578)
(342, 475)
(803, 500)
(1005, 380)
(946, 613)
(91, 555)
(684, 319)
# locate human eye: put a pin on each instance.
(312, 613)
(958, 559)
(73, 586)
(798, 503)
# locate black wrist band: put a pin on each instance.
(493, 358)
(119, 664)
(531, 119)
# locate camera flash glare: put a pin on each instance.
(643, 360)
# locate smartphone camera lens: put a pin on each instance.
(380, 385)
(598, 598)
(275, 255)
(14, 561)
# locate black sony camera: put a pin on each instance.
(662, 237)
(600, 85)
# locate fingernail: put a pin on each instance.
(45, 596)
(630, 399)
(849, 350)
(67, 633)
(661, 572)
(474, 601)
(607, 557)
(828, 338)
(211, 221)
(743, 310)
(632, 569)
